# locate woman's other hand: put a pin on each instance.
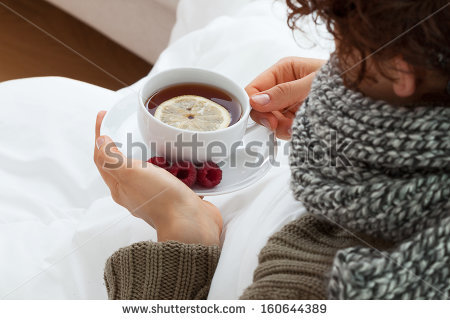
(277, 93)
(156, 196)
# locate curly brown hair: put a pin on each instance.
(417, 30)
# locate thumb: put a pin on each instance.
(282, 95)
(109, 157)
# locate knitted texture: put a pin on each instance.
(297, 260)
(405, 273)
(295, 264)
(160, 271)
(380, 170)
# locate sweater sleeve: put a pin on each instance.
(161, 270)
(297, 260)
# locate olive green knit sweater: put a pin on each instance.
(293, 265)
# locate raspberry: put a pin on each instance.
(209, 175)
(185, 171)
(160, 162)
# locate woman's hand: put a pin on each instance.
(156, 196)
(278, 92)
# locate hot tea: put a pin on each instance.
(192, 93)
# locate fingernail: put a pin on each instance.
(266, 123)
(99, 142)
(261, 99)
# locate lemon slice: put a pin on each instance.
(193, 113)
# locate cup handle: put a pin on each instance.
(251, 127)
(251, 123)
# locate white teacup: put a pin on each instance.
(210, 145)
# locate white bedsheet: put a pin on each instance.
(58, 223)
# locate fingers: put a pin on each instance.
(108, 157)
(109, 179)
(284, 127)
(264, 81)
(275, 121)
(282, 95)
(110, 162)
(285, 70)
(266, 119)
(98, 123)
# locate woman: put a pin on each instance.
(392, 196)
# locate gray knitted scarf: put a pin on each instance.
(383, 171)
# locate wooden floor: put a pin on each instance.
(37, 39)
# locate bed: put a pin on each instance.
(58, 223)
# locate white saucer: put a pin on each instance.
(253, 160)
